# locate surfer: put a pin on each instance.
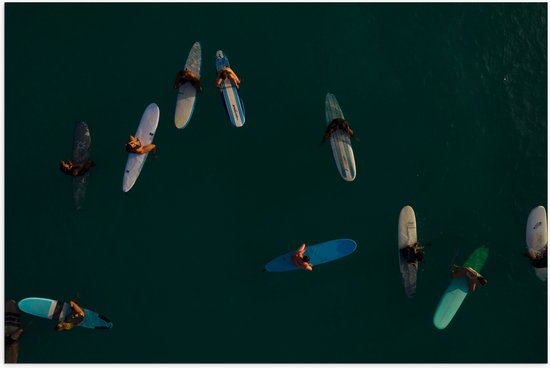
(71, 169)
(73, 319)
(225, 73)
(301, 260)
(474, 277)
(336, 124)
(187, 75)
(135, 145)
(539, 260)
(413, 253)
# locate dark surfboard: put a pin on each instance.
(81, 153)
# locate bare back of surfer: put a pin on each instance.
(227, 73)
(135, 145)
(301, 260)
(69, 168)
(187, 75)
(73, 319)
(337, 124)
(474, 277)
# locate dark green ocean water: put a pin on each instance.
(449, 102)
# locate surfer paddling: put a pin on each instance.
(187, 75)
(73, 319)
(413, 253)
(301, 260)
(337, 124)
(226, 73)
(474, 277)
(71, 169)
(135, 145)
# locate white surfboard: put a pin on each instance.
(340, 141)
(406, 235)
(146, 132)
(537, 236)
(185, 102)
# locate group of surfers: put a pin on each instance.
(414, 254)
(135, 145)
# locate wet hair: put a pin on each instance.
(129, 148)
(482, 280)
(305, 258)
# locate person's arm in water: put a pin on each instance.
(76, 308)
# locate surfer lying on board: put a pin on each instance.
(225, 73)
(135, 145)
(188, 76)
(336, 124)
(474, 277)
(73, 319)
(301, 260)
(413, 253)
(71, 169)
(539, 260)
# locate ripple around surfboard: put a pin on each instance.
(146, 131)
(457, 290)
(340, 141)
(234, 106)
(318, 254)
(82, 142)
(187, 94)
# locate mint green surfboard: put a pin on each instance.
(458, 290)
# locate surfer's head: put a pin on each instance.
(305, 258)
(130, 147)
(482, 280)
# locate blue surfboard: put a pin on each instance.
(57, 311)
(234, 106)
(318, 254)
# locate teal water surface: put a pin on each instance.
(449, 102)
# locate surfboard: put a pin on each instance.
(58, 310)
(457, 290)
(340, 141)
(406, 235)
(537, 236)
(81, 153)
(318, 254)
(234, 106)
(12, 322)
(185, 102)
(146, 131)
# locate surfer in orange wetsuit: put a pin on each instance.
(301, 260)
(187, 75)
(336, 124)
(73, 319)
(135, 145)
(474, 277)
(225, 73)
(71, 169)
